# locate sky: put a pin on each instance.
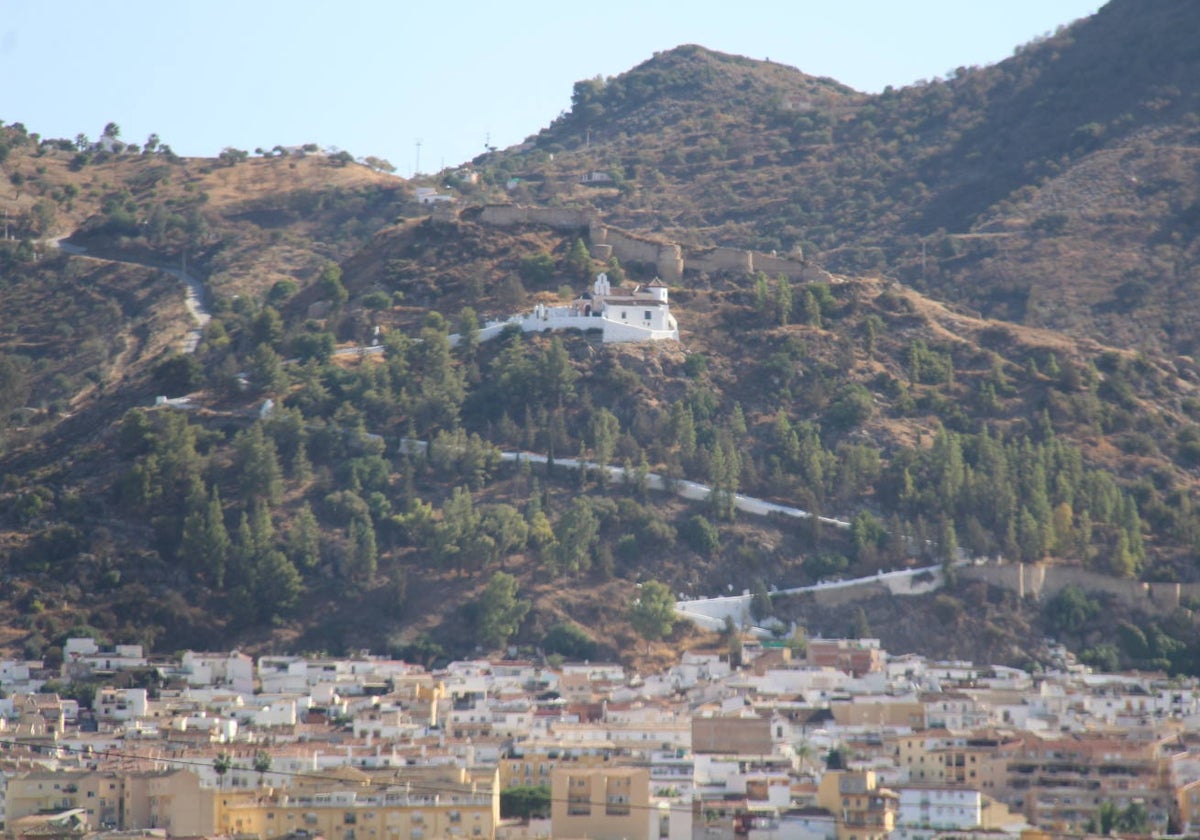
(427, 84)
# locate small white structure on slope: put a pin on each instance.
(637, 315)
(640, 314)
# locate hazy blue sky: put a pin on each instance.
(375, 76)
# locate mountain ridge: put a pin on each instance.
(1012, 384)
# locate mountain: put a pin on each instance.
(986, 348)
(1072, 162)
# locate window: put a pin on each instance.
(617, 806)
(646, 315)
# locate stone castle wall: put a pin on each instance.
(669, 259)
(720, 259)
(792, 266)
(666, 257)
(559, 218)
(1044, 581)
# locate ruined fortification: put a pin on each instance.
(669, 259)
(1044, 580)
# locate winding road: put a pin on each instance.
(194, 294)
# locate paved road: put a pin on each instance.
(193, 288)
(687, 489)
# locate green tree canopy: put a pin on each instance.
(500, 611)
(652, 612)
(525, 802)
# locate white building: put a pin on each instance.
(429, 195)
(640, 314)
(220, 729)
(232, 670)
(927, 811)
(121, 704)
(278, 710)
(16, 677)
(82, 654)
(283, 674)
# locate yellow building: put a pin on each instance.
(409, 804)
(1187, 807)
(528, 765)
(44, 792)
(865, 811)
(1061, 780)
(173, 800)
(978, 760)
(879, 714)
(604, 803)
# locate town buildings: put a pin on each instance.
(844, 743)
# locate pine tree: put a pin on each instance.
(468, 331)
(579, 261)
(737, 421)
(301, 470)
(364, 556)
(760, 601)
(783, 299)
(304, 539)
(603, 431)
(216, 538)
(683, 429)
(812, 313)
(576, 533)
(204, 542)
(500, 611)
(278, 585)
(762, 293)
(258, 463)
(556, 376)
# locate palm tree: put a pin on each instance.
(262, 763)
(221, 765)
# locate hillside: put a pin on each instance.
(1057, 187)
(916, 382)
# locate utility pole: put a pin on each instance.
(417, 168)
